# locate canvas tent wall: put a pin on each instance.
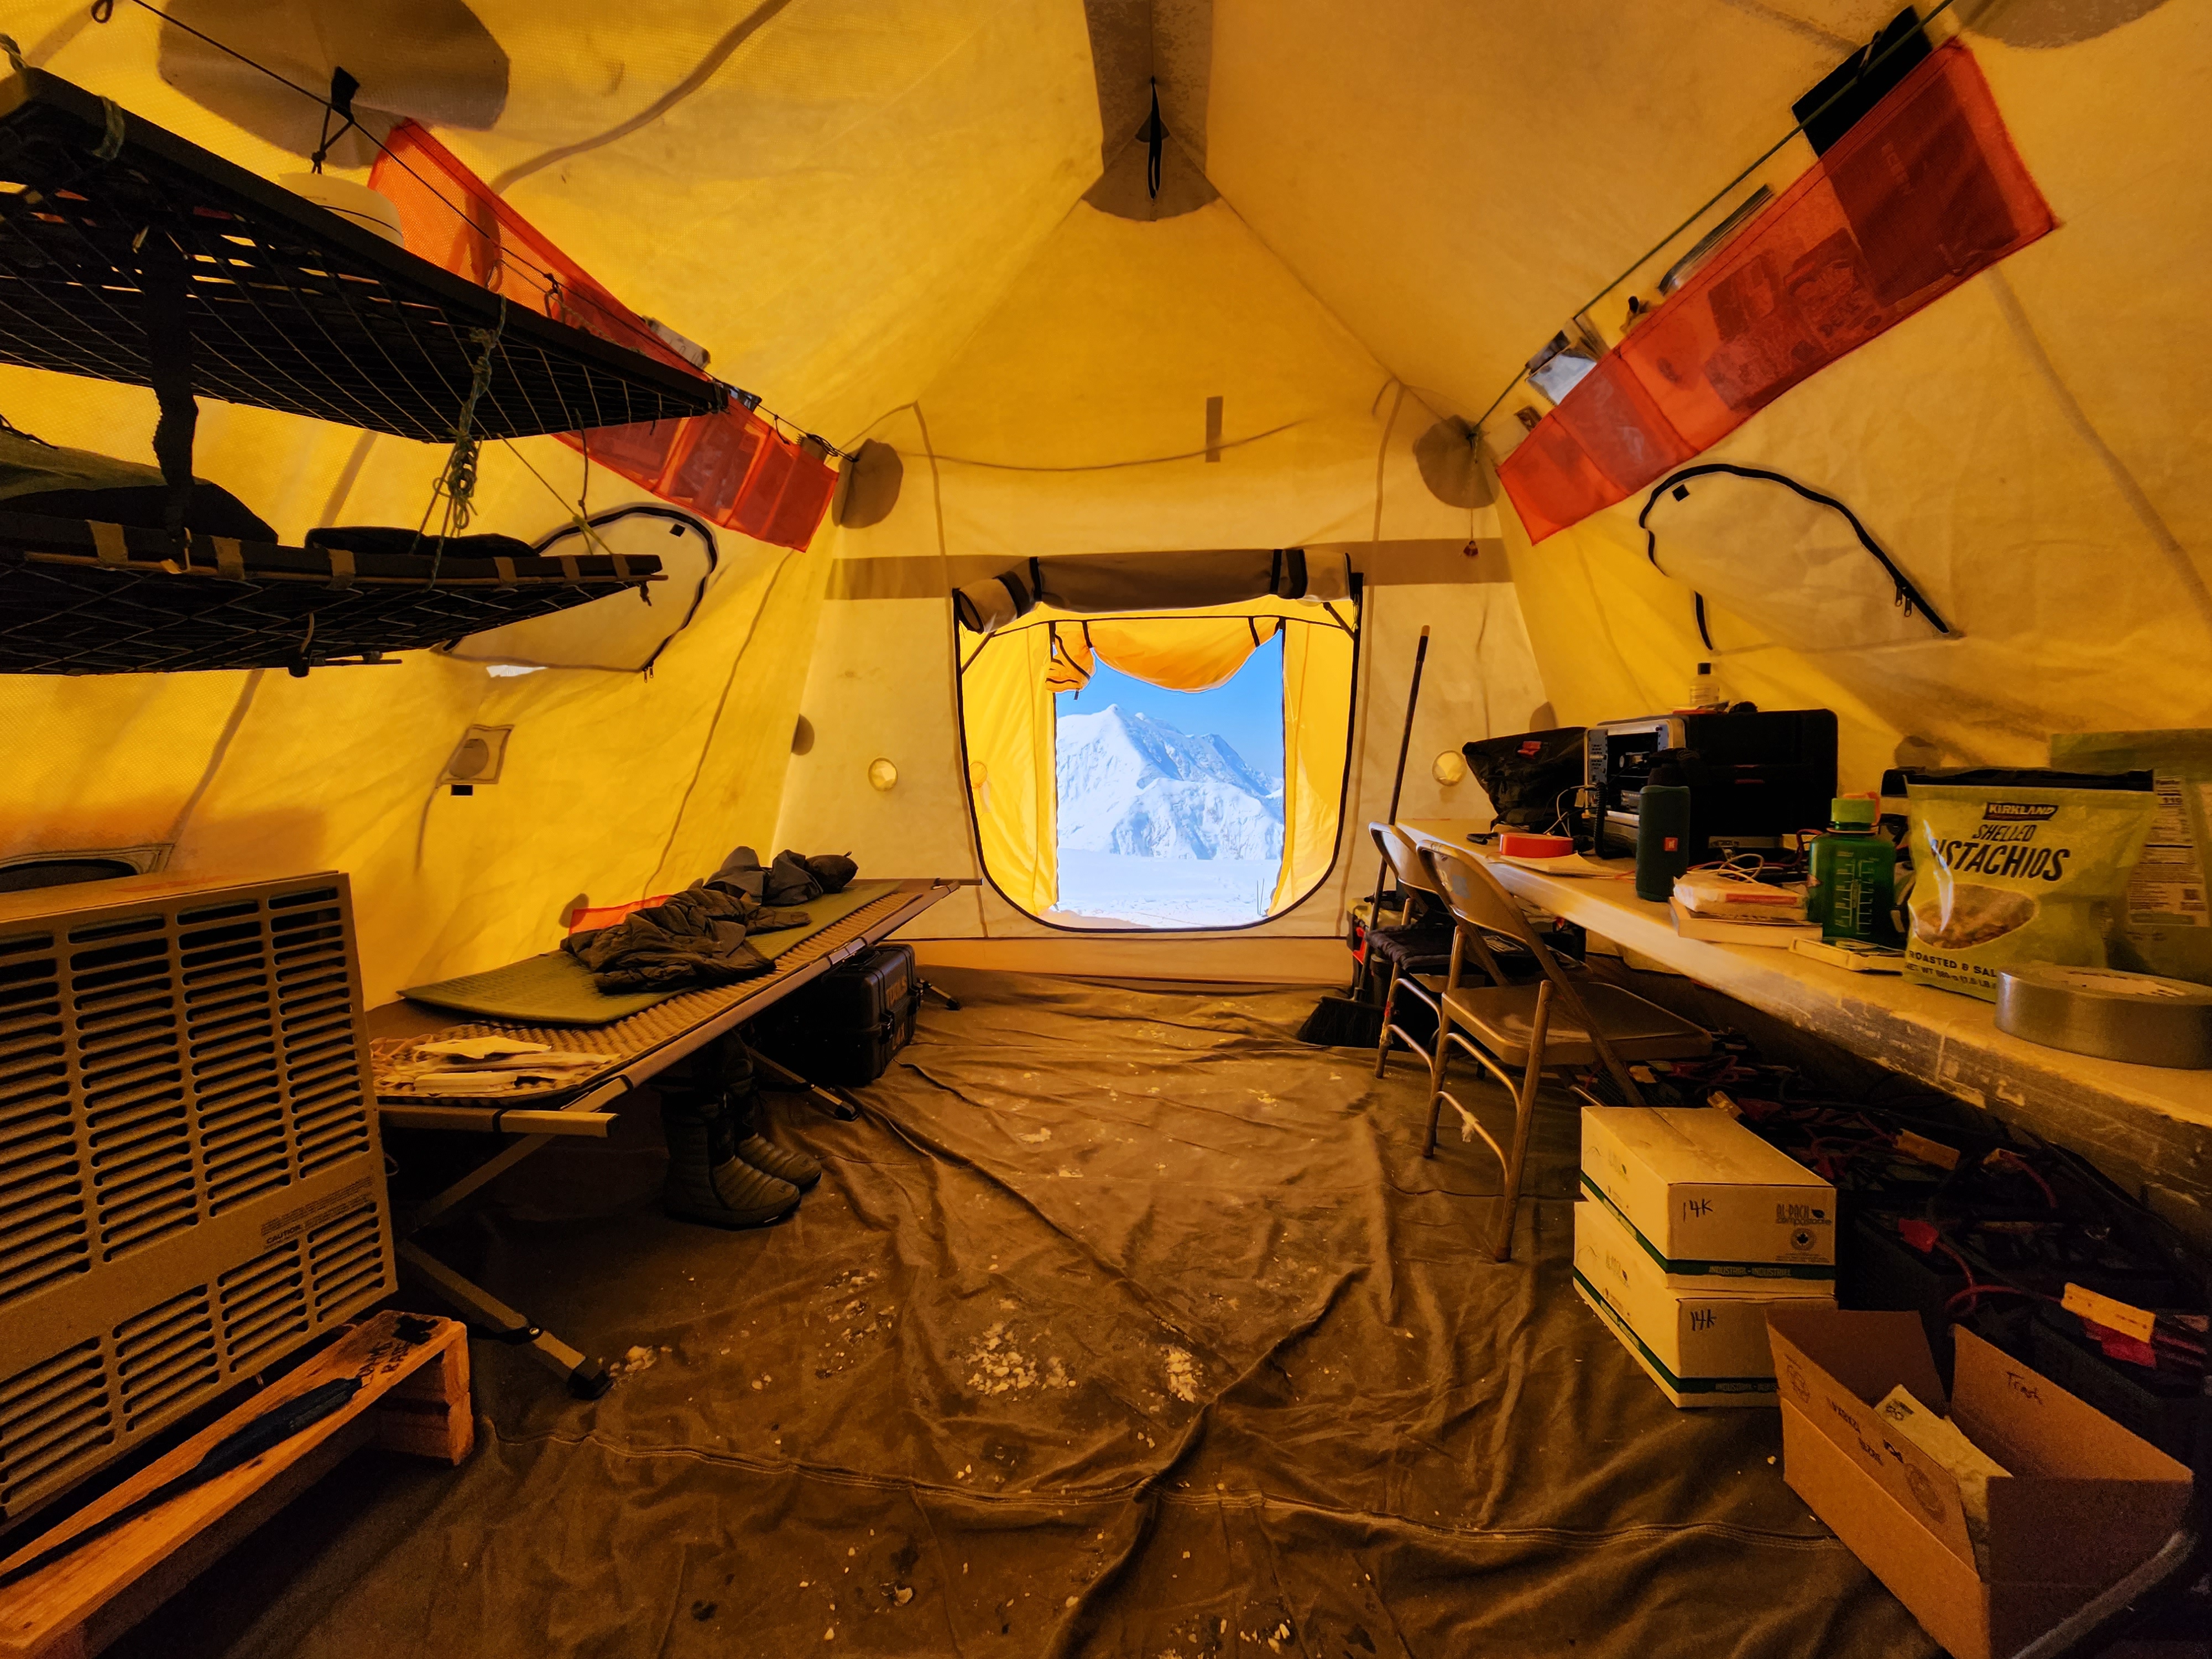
(1074, 424)
(915, 222)
(2015, 443)
(613, 785)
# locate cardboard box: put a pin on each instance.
(1711, 1199)
(2083, 1504)
(1703, 1347)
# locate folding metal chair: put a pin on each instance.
(1418, 967)
(1504, 1026)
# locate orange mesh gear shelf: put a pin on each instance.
(1922, 193)
(731, 467)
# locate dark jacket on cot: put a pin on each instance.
(700, 936)
(793, 879)
(697, 938)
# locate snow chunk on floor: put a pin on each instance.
(998, 1366)
(1183, 1375)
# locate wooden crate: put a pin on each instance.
(413, 1398)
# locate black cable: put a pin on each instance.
(1908, 596)
(270, 1429)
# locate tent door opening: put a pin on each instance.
(1168, 771)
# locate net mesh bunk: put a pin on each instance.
(107, 225)
(287, 306)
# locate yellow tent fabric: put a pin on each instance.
(1183, 655)
(1190, 654)
(873, 212)
(1072, 661)
(1317, 682)
(1006, 703)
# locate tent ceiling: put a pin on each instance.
(1139, 47)
(2038, 23)
(1454, 181)
(830, 194)
(430, 59)
(1451, 181)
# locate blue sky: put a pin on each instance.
(1247, 711)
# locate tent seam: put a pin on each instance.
(2070, 408)
(710, 64)
(1107, 466)
(239, 710)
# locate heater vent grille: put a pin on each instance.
(55, 1423)
(265, 1306)
(345, 1256)
(41, 1176)
(230, 1023)
(330, 1112)
(189, 1181)
(130, 1066)
(164, 1356)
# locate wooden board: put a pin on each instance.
(414, 1399)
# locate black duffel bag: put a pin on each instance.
(1529, 777)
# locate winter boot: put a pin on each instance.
(706, 1183)
(785, 1162)
(737, 1135)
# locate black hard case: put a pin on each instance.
(845, 1027)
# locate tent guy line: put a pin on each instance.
(738, 33)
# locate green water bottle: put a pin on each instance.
(1663, 834)
(1854, 870)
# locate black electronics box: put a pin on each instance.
(1754, 778)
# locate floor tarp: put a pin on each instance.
(1122, 1324)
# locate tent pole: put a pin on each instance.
(1397, 786)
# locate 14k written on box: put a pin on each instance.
(1709, 1197)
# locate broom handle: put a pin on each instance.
(1405, 743)
(1406, 738)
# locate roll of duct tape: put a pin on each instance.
(2103, 1011)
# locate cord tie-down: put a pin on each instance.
(458, 483)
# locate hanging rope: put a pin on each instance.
(576, 515)
(457, 484)
(343, 88)
(1154, 132)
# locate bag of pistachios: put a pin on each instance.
(2007, 873)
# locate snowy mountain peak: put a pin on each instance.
(1153, 749)
(1132, 784)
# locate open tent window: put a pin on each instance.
(1115, 768)
(1170, 809)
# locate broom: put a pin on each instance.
(1351, 1021)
